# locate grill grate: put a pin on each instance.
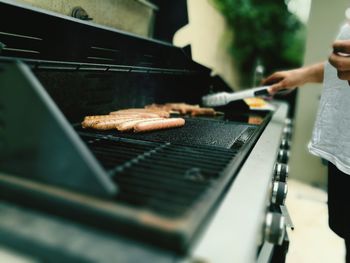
(197, 131)
(112, 154)
(169, 172)
(168, 179)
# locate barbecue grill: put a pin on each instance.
(159, 188)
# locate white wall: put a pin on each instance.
(324, 22)
(209, 37)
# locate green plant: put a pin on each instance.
(263, 30)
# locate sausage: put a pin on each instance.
(89, 122)
(159, 124)
(132, 109)
(183, 108)
(159, 107)
(162, 107)
(160, 113)
(109, 117)
(109, 125)
(94, 117)
(203, 111)
(129, 125)
(136, 113)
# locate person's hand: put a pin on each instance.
(340, 58)
(285, 81)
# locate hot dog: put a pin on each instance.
(183, 108)
(159, 124)
(159, 113)
(136, 113)
(110, 124)
(122, 115)
(89, 122)
(129, 125)
(203, 111)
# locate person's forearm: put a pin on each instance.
(314, 73)
(291, 79)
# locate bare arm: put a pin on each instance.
(340, 59)
(290, 79)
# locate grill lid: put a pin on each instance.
(74, 40)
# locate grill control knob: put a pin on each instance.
(285, 144)
(288, 122)
(275, 228)
(287, 132)
(80, 13)
(280, 172)
(283, 156)
(279, 193)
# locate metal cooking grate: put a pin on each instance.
(165, 178)
(197, 131)
(113, 153)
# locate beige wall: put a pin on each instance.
(206, 31)
(324, 22)
(128, 15)
(209, 38)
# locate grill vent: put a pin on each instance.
(17, 44)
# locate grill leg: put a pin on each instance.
(347, 246)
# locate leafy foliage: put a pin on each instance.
(264, 30)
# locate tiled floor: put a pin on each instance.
(312, 240)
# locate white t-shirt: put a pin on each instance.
(331, 134)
